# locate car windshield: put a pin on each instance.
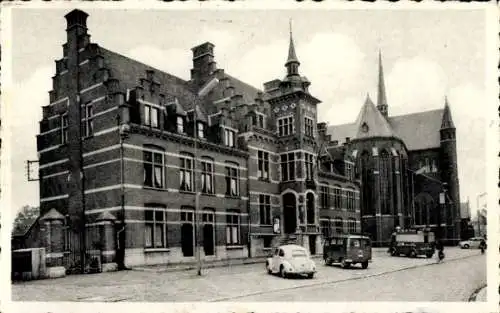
(359, 243)
(298, 253)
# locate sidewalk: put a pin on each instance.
(178, 267)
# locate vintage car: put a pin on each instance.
(348, 249)
(472, 243)
(412, 243)
(291, 260)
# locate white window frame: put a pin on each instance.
(207, 176)
(229, 137)
(186, 177)
(151, 116)
(200, 129)
(153, 224)
(263, 160)
(233, 229)
(180, 125)
(154, 166)
(229, 168)
(88, 119)
(284, 125)
(265, 213)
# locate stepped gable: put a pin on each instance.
(129, 71)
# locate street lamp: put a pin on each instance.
(201, 93)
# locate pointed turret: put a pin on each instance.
(447, 121)
(381, 97)
(292, 63)
(371, 123)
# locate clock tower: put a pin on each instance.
(294, 116)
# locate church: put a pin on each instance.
(407, 165)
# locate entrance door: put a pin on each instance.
(187, 240)
(208, 239)
(312, 244)
(289, 213)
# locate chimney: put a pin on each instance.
(76, 21)
(347, 140)
(203, 63)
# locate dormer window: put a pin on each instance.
(180, 124)
(201, 130)
(151, 116)
(259, 120)
(229, 135)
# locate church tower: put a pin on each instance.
(294, 115)
(449, 173)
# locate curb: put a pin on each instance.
(473, 296)
(332, 281)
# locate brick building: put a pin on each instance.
(124, 150)
(408, 168)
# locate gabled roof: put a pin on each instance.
(53, 214)
(371, 123)
(129, 71)
(417, 130)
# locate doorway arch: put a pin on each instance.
(289, 213)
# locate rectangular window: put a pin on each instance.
(309, 166)
(232, 185)
(288, 167)
(180, 125)
(201, 130)
(309, 126)
(155, 229)
(265, 209)
(88, 120)
(325, 228)
(324, 197)
(151, 116)
(285, 126)
(233, 228)
(186, 173)
(64, 128)
(434, 166)
(229, 137)
(263, 159)
(350, 200)
(260, 120)
(153, 169)
(337, 198)
(207, 177)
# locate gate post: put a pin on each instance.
(53, 240)
(107, 238)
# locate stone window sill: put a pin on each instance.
(152, 250)
(235, 247)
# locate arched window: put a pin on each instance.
(424, 209)
(384, 182)
(367, 183)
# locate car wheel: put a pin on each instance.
(466, 246)
(269, 271)
(429, 255)
(328, 261)
(413, 254)
(364, 265)
(393, 252)
(282, 271)
(310, 276)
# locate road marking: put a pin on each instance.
(332, 281)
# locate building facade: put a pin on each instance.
(408, 168)
(140, 167)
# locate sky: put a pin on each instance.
(427, 55)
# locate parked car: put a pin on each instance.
(348, 249)
(471, 243)
(290, 260)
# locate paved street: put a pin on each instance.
(385, 279)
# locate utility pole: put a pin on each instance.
(203, 92)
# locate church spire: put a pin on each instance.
(382, 98)
(292, 63)
(447, 121)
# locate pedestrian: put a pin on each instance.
(440, 249)
(482, 246)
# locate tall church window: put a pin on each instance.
(367, 184)
(384, 180)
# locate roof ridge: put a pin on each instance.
(416, 113)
